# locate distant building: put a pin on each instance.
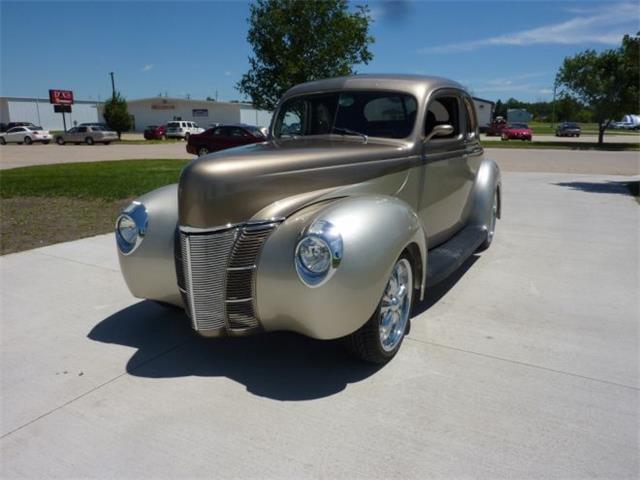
(484, 112)
(518, 115)
(40, 112)
(160, 110)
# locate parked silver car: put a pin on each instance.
(370, 190)
(86, 134)
(26, 135)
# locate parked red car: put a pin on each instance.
(222, 137)
(155, 132)
(517, 131)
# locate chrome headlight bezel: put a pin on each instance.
(327, 236)
(136, 212)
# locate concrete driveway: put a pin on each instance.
(524, 365)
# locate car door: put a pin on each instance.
(14, 133)
(447, 179)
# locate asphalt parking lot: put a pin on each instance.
(524, 365)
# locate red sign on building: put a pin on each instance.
(61, 97)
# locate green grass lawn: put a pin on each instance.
(55, 203)
(587, 129)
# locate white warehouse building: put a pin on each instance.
(144, 112)
(40, 112)
(160, 110)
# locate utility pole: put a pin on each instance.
(113, 86)
(553, 115)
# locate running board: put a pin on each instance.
(448, 257)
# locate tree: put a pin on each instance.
(296, 41)
(116, 114)
(607, 81)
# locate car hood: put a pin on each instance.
(518, 130)
(231, 186)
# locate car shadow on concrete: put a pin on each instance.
(629, 187)
(439, 290)
(279, 365)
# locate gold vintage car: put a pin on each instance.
(371, 189)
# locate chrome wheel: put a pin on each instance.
(494, 216)
(396, 305)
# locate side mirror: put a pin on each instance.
(440, 131)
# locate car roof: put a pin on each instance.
(418, 85)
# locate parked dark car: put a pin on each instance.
(517, 131)
(568, 129)
(155, 132)
(222, 137)
(496, 127)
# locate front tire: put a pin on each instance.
(60, 141)
(378, 340)
(186, 137)
(203, 151)
(28, 141)
(88, 141)
(2, 141)
(504, 137)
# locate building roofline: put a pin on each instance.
(46, 100)
(178, 99)
(484, 100)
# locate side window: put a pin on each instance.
(237, 133)
(470, 115)
(443, 111)
(82, 129)
(217, 132)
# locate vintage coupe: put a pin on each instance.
(369, 190)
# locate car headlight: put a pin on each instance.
(131, 227)
(318, 253)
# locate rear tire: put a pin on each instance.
(28, 141)
(378, 340)
(88, 141)
(491, 228)
(203, 151)
(2, 141)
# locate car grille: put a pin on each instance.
(216, 275)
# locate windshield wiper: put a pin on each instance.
(348, 131)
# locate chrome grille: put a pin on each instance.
(217, 277)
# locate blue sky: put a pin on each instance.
(496, 49)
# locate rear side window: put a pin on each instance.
(82, 129)
(443, 111)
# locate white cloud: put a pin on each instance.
(147, 67)
(227, 73)
(605, 26)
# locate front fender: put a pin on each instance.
(375, 230)
(150, 271)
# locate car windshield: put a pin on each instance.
(375, 114)
(518, 125)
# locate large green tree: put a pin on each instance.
(606, 81)
(116, 114)
(297, 41)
